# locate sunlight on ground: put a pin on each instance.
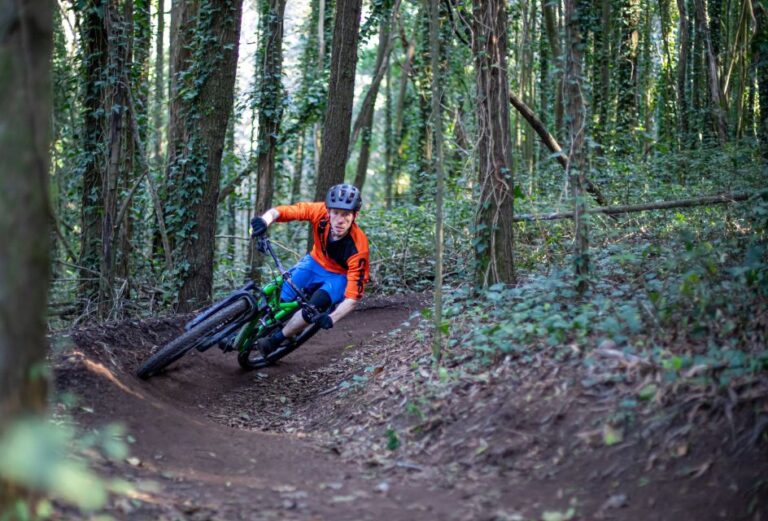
(101, 370)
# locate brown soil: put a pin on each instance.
(353, 426)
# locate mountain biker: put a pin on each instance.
(337, 268)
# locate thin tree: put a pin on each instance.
(437, 134)
(627, 77)
(269, 99)
(364, 123)
(26, 43)
(682, 69)
(574, 10)
(760, 58)
(715, 91)
(549, 14)
(159, 89)
(494, 250)
(388, 139)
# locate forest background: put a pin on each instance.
(558, 173)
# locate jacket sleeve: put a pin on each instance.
(300, 212)
(358, 275)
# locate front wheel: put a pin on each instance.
(252, 359)
(190, 339)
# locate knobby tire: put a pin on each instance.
(180, 345)
(247, 362)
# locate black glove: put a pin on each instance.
(258, 227)
(323, 320)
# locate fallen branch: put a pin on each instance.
(551, 143)
(662, 205)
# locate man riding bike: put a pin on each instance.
(334, 272)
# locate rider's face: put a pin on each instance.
(341, 221)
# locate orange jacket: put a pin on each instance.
(357, 270)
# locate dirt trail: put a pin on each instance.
(303, 441)
(196, 468)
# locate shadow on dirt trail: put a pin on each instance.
(353, 427)
(197, 452)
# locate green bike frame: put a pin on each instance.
(274, 315)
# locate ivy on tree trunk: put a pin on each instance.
(494, 236)
(204, 63)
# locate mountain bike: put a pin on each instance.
(236, 322)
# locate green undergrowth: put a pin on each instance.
(694, 293)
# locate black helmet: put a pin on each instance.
(343, 197)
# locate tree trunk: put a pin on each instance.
(494, 232)
(270, 105)
(627, 106)
(338, 114)
(269, 98)
(553, 36)
(157, 106)
(437, 133)
(119, 142)
(760, 58)
(200, 110)
(420, 175)
(601, 68)
(715, 92)
(298, 168)
(26, 42)
(365, 117)
(389, 142)
(94, 40)
(698, 125)
(409, 51)
(574, 11)
(317, 134)
(682, 67)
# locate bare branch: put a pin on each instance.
(662, 205)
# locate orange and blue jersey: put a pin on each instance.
(348, 256)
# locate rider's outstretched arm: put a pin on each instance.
(344, 308)
(270, 216)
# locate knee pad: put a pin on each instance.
(321, 300)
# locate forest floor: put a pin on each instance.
(354, 426)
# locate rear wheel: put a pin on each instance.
(179, 346)
(252, 359)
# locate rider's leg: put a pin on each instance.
(302, 275)
(307, 273)
(321, 300)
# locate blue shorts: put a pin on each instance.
(310, 276)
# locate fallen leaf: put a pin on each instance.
(615, 501)
(648, 392)
(559, 516)
(343, 499)
(681, 450)
(612, 436)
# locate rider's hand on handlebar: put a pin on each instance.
(258, 227)
(323, 320)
